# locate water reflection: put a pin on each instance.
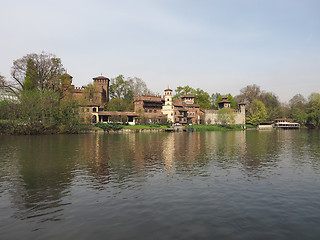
(44, 178)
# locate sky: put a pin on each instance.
(218, 46)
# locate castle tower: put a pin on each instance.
(224, 103)
(102, 84)
(167, 108)
(242, 107)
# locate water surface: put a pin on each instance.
(211, 185)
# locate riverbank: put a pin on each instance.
(12, 129)
(192, 128)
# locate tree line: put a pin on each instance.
(42, 87)
(261, 106)
(44, 100)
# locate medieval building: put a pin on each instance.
(98, 96)
(237, 116)
(94, 100)
(181, 111)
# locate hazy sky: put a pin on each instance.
(218, 46)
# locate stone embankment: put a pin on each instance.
(174, 129)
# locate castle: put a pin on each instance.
(98, 96)
(180, 111)
(237, 116)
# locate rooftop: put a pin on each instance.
(101, 78)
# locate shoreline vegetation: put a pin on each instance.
(9, 128)
(40, 99)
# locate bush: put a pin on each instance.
(109, 126)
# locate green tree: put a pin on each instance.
(297, 110)
(118, 104)
(90, 91)
(180, 91)
(313, 110)
(257, 113)
(201, 97)
(226, 117)
(214, 100)
(272, 104)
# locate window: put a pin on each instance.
(150, 111)
(155, 111)
(146, 110)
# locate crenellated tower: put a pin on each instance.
(102, 84)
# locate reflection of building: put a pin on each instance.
(169, 152)
(211, 116)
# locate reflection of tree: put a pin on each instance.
(261, 145)
(45, 168)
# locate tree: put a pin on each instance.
(313, 110)
(201, 97)
(226, 117)
(138, 87)
(257, 113)
(272, 105)
(90, 91)
(298, 101)
(118, 87)
(180, 91)
(40, 71)
(297, 108)
(214, 100)
(2, 81)
(118, 104)
(248, 94)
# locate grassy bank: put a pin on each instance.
(215, 127)
(145, 127)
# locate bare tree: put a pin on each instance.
(138, 86)
(37, 70)
(248, 94)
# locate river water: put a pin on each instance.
(209, 185)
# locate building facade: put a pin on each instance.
(181, 111)
(99, 95)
